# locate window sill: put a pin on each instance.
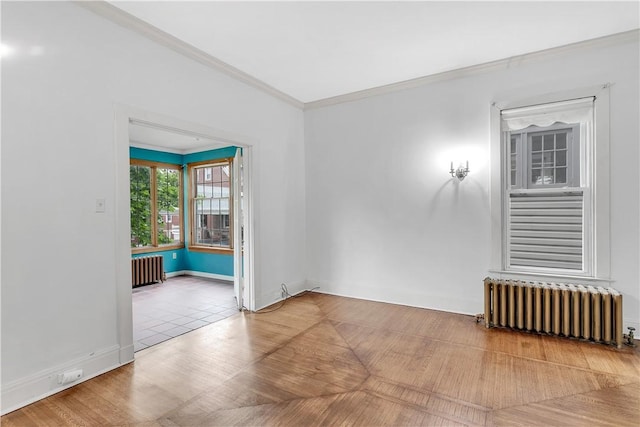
(211, 250)
(149, 249)
(549, 277)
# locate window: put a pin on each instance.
(547, 190)
(155, 196)
(210, 203)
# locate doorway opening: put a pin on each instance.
(175, 222)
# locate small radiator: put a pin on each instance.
(585, 312)
(147, 269)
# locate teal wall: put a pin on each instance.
(209, 263)
(185, 259)
(170, 264)
(155, 156)
(203, 156)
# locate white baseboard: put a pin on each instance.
(126, 354)
(32, 388)
(200, 274)
(174, 274)
(325, 287)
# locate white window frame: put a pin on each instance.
(597, 211)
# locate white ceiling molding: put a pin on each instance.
(129, 21)
(501, 64)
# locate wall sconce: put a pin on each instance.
(459, 173)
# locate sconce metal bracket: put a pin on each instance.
(460, 173)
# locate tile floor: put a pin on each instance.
(181, 304)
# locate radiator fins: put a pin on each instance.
(147, 269)
(575, 311)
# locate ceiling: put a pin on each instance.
(157, 137)
(317, 50)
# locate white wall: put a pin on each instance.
(387, 222)
(60, 88)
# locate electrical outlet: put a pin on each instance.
(175, 255)
(69, 376)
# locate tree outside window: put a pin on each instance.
(155, 194)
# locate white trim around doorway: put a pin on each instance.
(123, 115)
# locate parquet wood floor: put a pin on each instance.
(327, 360)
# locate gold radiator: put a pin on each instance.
(147, 269)
(585, 312)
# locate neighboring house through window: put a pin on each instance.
(210, 204)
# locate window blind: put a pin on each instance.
(546, 230)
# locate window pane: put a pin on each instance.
(168, 205)
(536, 176)
(561, 175)
(217, 190)
(536, 160)
(547, 176)
(224, 175)
(199, 221)
(548, 142)
(140, 198)
(561, 158)
(536, 143)
(561, 141)
(548, 159)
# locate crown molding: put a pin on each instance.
(147, 30)
(500, 64)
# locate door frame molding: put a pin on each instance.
(123, 114)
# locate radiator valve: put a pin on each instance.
(629, 337)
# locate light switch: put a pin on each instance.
(100, 205)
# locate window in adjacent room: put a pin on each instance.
(210, 204)
(155, 195)
(547, 187)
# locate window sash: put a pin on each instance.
(168, 205)
(158, 207)
(211, 205)
(522, 154)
